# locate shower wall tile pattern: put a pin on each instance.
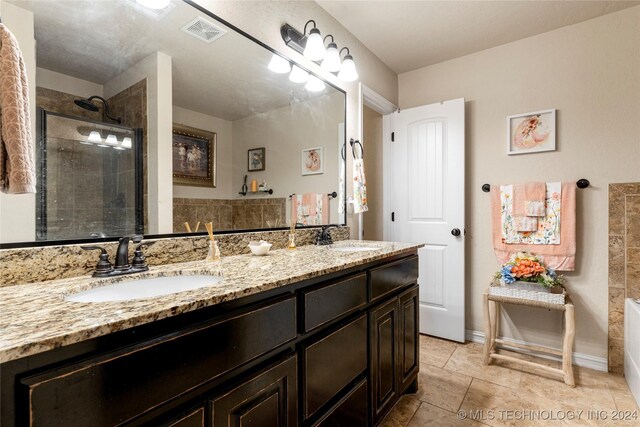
(624, 263)
(229, 214)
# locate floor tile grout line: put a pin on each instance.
(465, 394)
(414, 414)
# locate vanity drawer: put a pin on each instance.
(351, 411)
(390, 277)
(118, 386)
(332, 301)
(332, 362)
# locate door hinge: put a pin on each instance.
(393, 216)
(393, 137)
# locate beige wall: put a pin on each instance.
(372, 140)
(280, 132)
(224, 188)
(263, 19)
(64, 83)
(589, 72)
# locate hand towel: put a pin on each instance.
(528, 204)
(17, 163)
(310, 208)
(560, 256)
(359, 187)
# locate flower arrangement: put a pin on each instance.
(526, 267)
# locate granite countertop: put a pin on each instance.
(35, 317)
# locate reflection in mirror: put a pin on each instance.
(168, 69)
(88, 178)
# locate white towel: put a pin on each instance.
(359, 187)
(17, 162)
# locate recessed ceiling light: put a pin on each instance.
(154, 4)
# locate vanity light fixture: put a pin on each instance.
(331, 61)
(279, 65)
(312, 47)
(126, 142)
(154, 4)
(298, 75)
(348, 71)
(314, 84)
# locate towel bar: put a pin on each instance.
(581, 183)
(332, 195)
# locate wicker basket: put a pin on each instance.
(530, 291)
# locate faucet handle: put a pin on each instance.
(103, 266)
(138, 261)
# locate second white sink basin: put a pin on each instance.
(148, 287)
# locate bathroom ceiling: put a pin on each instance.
(407, 35)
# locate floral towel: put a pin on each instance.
(548, 231)
(359, 187)
(310, 208)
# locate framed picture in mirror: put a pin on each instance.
(312, 161)
(256, 159)
(194, 156)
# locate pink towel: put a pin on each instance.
(528, 204)
(310, 208)
(558, 257)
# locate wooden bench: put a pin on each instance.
(492, 308)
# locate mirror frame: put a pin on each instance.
(35, 244)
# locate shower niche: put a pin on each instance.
(89, 178)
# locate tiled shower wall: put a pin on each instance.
(624, 263)
(232, 214)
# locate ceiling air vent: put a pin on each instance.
(203, 30)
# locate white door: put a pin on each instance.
(427, 204)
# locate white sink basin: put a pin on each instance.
(144, 288)
(354, 248)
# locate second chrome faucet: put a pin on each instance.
(122, 265)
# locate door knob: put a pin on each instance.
(455, 232)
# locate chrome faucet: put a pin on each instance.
(122, 266)
(323, 237)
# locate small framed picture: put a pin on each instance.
(312, 161)
(256, 159)
(531, 132)
(194, 156)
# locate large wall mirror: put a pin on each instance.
(149, 120)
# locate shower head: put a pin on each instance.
(86, 104)
(90, 106)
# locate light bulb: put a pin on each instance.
(154, 4)
(298, 75)
(331, 61)
(126, 142)
(314, 50)
(94, 137)
(111, 139)
(348, 71)
(279, 65)
(314, 84)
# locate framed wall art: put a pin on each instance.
(312, 161)
(194, 156)
(256, 159)
(531, 132)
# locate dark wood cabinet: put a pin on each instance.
(408, 342)
(383, 375)
(331, 351)
(268, 399)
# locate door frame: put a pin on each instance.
(370, 98)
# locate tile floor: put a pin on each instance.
(453, 380)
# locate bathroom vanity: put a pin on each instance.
(313, 336)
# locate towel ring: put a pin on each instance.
(343, 151)
(353, 148)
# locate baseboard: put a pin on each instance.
(579, 359)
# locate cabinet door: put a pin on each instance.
(408, 344)
(383, 328)
(267, 399)
(193, 418)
